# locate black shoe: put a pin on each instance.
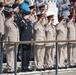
(62, 67)
(11, 72)
(70, 66)
(49, 68)
(22, 70)
(74, 66)
(29, 70)
(38, 69)
(42, 69)
(18, 59)
(59, 67)
(53, 68)
(8, 71)
(65, 67)
(26, 70)
(32, 59)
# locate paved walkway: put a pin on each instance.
(69, 71)
(47, 72)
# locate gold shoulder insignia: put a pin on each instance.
(23, 21)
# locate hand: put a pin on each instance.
(61, 2)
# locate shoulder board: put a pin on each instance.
(22, 21)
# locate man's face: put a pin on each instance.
(73, 19)
(16, 9)
(42, 10)
(64, 21)
(34, 11)
(51, 20)
(75, 4)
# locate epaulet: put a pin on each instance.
(46, 23)
(22, 21)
